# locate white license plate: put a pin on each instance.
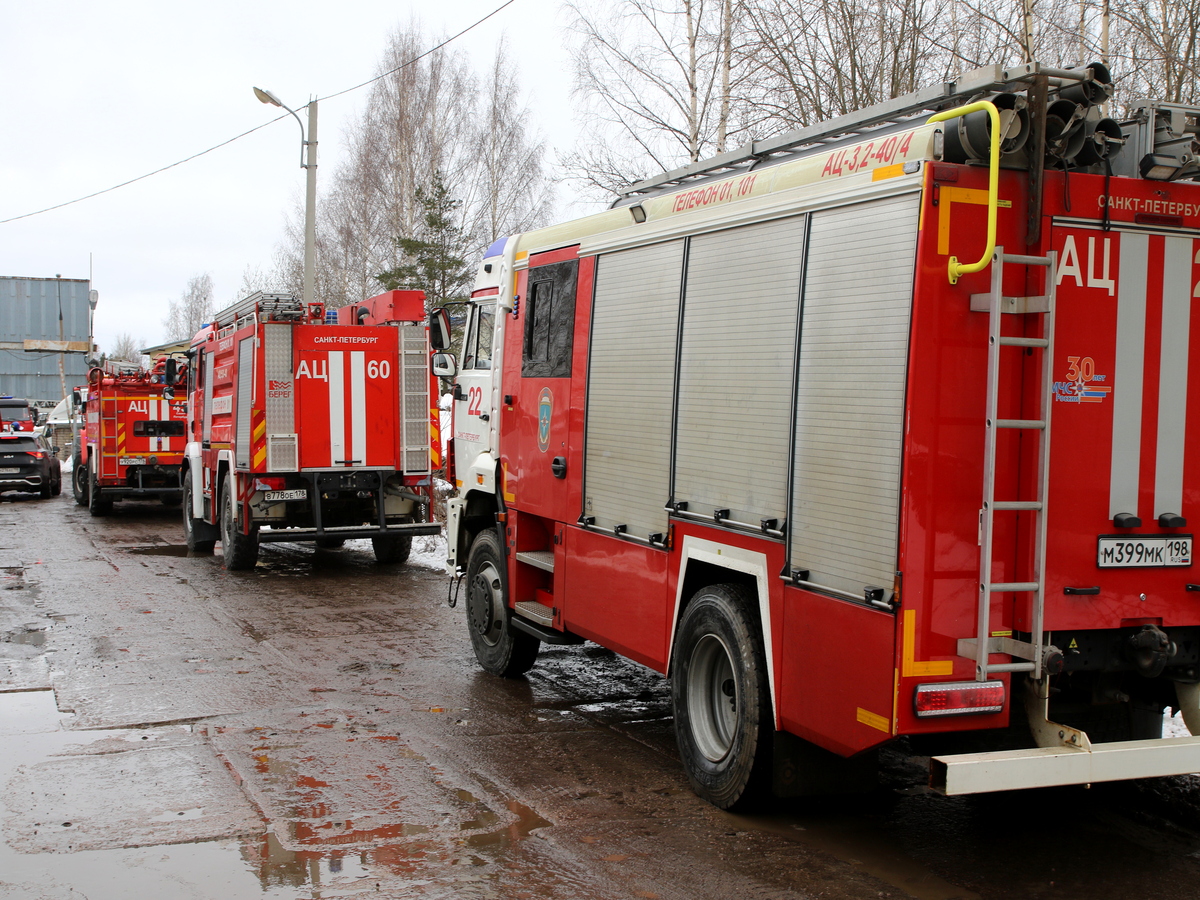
(1143, 551)
(298, 494)
(9, 471)
(131, 461)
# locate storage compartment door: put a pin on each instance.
(850, 394)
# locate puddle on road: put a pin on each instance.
(36, 638)
(177, 550)
(851, 839)
(33, 731)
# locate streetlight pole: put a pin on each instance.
(308, 162)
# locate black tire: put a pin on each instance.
(330, 543)
(500, 649)
(79, 480)
(240, 550)
(98, 504)
(190, 526)
(721, 698)
(56, 485)
(392, 548)
(46, 489)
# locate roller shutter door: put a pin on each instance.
(631, 381)
(850, 393)
(736, 366)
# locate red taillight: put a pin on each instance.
(958, 698)
(38, 454)
(269, 483)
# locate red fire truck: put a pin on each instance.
(879, 428)
(16, 414)
(309, 425)
(133, 440)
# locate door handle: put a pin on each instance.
(558, 467)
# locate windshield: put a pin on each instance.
(14, 413)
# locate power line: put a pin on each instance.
(188, 159)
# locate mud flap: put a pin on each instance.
(1189, 705)
(802, 769)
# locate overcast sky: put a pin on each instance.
(95, 93)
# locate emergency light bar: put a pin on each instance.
(958, 698)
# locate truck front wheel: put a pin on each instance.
(240, 550)
(98, 505)
(192, 526)
(500, 649)
(79, 483)
(721, 698)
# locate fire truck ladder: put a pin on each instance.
(1030, 654)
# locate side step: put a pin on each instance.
(1010, 770)
(539, 559)
(545, 635)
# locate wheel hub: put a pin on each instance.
(480, 603)
(712, 698)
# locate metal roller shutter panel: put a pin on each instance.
(850, 393)
(735, 372)
(245, 396)
(631, 385)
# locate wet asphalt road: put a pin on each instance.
(318, 728)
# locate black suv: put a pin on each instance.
(27, 463)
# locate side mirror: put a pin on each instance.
(171, 371)
(443, 365)
(76, 399)
(439, 329)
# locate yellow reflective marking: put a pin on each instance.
(508, 497)
(874, 721)
(910, 667)
(949, 195)
(887, 172)
(1001, 634)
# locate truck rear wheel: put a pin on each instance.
(721, 698)
(98, 505)
(391, 548)
(500, 649)
(192, 526)
(240, 550)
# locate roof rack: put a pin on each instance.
(882, 117)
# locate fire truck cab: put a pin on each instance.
(17, 414)
(879, 428)
(307, 424)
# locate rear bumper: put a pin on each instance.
(21, 482)
(118, 492)
(1010, 770)
(349, 532)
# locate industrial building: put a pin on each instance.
(29, 311)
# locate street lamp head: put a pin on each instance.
(267, 97)
(93, 299)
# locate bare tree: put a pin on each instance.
(126, 347)
(657, 80)
(193, 309)
(507, 190)
(422, 117)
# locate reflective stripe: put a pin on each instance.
(1128, 375)
(337, 408)
(1173, 375)
(358, 406)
